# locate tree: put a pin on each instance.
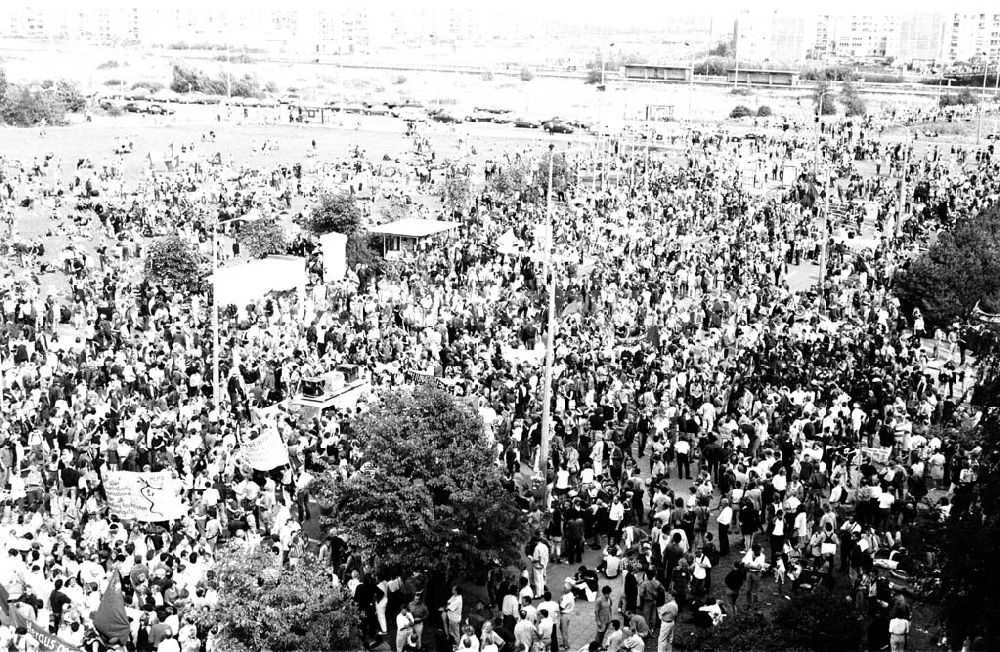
(764, 111)
(970, 567)
(959, 270)
(509, 183)
(263, 237)
(560, 174)
(853, 104)
(962, 98)
(723, 49)
(3, 85)
(455, 190)
(339, 212)
(24, 107)
(819, 622)
(429, 495)
(823, 90)
(70, 95)
(526, 74)
(740, 111)
(263, 606)
(174, 263)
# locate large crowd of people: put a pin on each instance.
(718, 425)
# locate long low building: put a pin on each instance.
(769, 77)
(649, 72)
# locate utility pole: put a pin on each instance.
(216, 388)
(982, 101)
(550, 335)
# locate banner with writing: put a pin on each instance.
(148, 497)
(265, 452)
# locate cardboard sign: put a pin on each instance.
(266, 452)
(148, 497)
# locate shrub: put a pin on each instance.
(108, 65)
(526, 74)
(853, 104)
(740, 111)
(271, 87)
(151, 86)
(961, 268)
(961, 98)
(764, 111)
(195, 81)
(113, 82)
(70, 95)
(114, 111)
(399, 79)
(594, 76)
(262, 238)
(742, 91)
(23, 107)
(175, 264)
(487, 75)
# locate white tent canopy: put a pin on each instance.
(245, 283)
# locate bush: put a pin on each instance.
(114, 111)
(238, 58)
(70, 95)
(487, 75)
(339, 212)
(262, 238)
(961, 98)
(23, 107)
(961, 268)
(594, 76)
(716, 66)
(265, 606)
(764, 111)
(824, 91)
(187, 80)
(853, 104)
(819, 622)
(740, 111)
(175, 264)
(526, 75)
(151, 86)
(271, 87)
(108, 65)
(742, 91)
(114, 82)
(399, 79)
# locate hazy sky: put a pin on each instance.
(618, 12)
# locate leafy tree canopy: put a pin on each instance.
(263, 237)
(429, 495)
(174, 263)
(263, 606)
(960, 269)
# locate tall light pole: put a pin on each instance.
(216, 387)
(690, 81)
(982, 102)
(550, 335)
(824, 226)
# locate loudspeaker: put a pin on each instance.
(313, 387)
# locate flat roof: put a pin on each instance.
(414, 228)
(769, 71)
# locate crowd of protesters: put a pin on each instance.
(717, 426)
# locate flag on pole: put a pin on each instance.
(110, 619)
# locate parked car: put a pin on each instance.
(444, 116)
(481, 116)
(132, 107)
(158, 109)
(525, 122)
(557, 126)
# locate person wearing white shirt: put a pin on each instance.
(724, 519)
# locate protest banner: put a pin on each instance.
(148, 497)
(265, 452)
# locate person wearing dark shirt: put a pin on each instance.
(57, 601)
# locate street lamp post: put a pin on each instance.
(982, 102)
(826, 209)
(543, 449)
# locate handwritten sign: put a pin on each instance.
(148, 497)
(265, 452)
